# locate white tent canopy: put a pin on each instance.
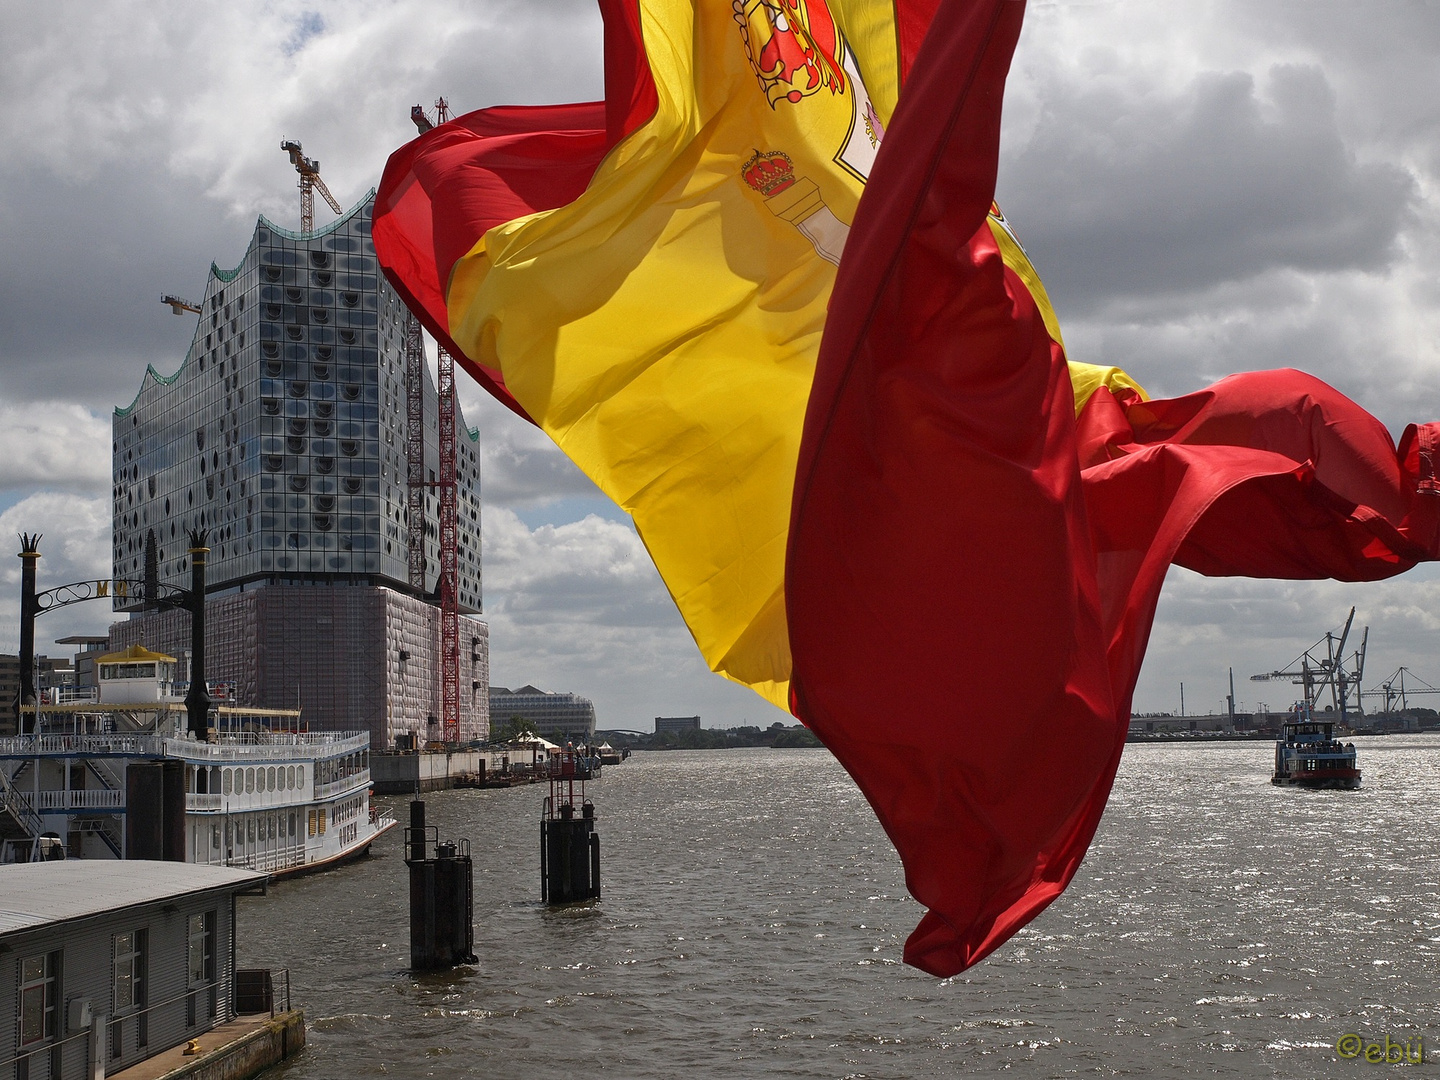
(535, 741)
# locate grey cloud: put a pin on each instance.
(1120, 195)
(82, 276)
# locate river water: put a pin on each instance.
(753, 916)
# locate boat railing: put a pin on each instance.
(269, 861)
(292, 738)
(359, 779)
(116, 744)
(202, 800)
(83, 799)
(278, 747)
(135, 744)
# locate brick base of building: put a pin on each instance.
(353, 658)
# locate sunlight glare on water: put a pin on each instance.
(753, 917)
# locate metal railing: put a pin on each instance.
(21, 805)
(44, 1048)
(262, 987)
(202, 801)
(141, 1016)
(107, 776)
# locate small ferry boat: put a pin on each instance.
(122, 777)
(1308, 755)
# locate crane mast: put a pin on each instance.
(447, 586)
(310, 182)
(1314, 672)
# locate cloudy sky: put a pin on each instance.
(1205, 187)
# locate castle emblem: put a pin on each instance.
(796, 199)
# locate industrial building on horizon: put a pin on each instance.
(283, 435)
(676, 724)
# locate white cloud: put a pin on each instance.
(580, 607)
(54, 444)
(75, 546)
(1205, 626)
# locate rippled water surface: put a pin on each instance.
(754, 913)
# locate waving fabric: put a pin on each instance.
(765, 300)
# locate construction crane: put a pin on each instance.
(1314, 672)
(423, 122)
(178, 306)
(310, 182)
(447, 585)
(1394, 689)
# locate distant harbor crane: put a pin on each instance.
(1314, 672)
(1394, 689)
(310, 182)
(447, 586)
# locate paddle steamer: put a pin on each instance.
(120, 776)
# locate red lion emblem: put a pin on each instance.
(792, 45)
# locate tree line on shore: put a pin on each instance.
(777, 735)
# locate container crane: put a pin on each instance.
(1394, 689)
(1313, 672)
(310, 182)
(447, 586)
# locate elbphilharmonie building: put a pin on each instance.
(283, 434)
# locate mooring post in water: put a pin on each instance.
(569, 844)
(442, 896)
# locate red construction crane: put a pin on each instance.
(448, 584)
(310, 182)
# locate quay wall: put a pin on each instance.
(400, 773)
(280, 1037)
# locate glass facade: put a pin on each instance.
(553, 716)
(283, 432)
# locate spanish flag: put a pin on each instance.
(765, 300)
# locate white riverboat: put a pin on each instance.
(121, 777)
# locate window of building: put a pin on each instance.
(202, 948)
(129, 988)
(39, 993)
(201, 968)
